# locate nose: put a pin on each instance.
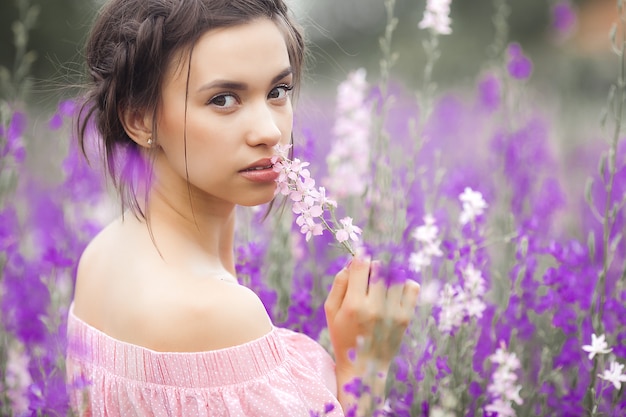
(263, 126)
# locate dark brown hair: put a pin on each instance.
(127, 52)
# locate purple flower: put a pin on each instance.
(519, 66)
(393, 272)
(563, 17)
(356, 387)
(25, 300)
(56, 121)
(48, 396)
(65, 109)
(14, 146)
(82, 183)
(9, 227)
(249, 270)
(442, 367)
(490, 92)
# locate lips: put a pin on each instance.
(259, 165)
(262, 171)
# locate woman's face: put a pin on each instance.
(238, 109)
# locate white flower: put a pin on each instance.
(437, 17)
(428, 231)
(429, 293)
(474, 282)
(503, 390)
(418, 261)
(458, 303)
(473, 205)
(349, 156)
(614, 374)
(18, 378)
(475, 307)
(441, 412)
(501, 407)
(505, 359)
(452, 311)
(598, 346)
(426, 236)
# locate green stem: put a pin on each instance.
(345, 243)
(501, 26)
(380, 219)
(599, 296)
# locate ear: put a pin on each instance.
(138, 125)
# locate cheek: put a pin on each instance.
(171, 127)
(286, 125)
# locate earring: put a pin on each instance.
(150, 142)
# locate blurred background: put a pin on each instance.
(344, 35)
(572, 71)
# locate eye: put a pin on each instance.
(280, 92)
(224, 101)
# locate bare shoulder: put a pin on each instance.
(125, 289)
(205, 316)
(94, 265)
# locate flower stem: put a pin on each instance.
(345, 244)
(380, 219)
(608, 218)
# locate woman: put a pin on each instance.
(201, 91)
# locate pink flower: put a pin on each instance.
(348, 231)
(310, 203)
(308, 227)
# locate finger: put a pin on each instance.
(337, 292)
(358, 279)
(410, 295)
(394, 294)
(377, 290)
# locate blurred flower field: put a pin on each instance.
(518, 244)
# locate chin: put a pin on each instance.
(258, 200)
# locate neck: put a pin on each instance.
(195, 233)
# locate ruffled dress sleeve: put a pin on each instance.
(281, 374)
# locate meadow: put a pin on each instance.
(514, 232)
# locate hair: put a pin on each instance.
(129, 47)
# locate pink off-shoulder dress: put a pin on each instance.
(281, 374)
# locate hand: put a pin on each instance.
(361, 309)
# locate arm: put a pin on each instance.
(366, 321)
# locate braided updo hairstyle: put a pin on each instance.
(127, 52)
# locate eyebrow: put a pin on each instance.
(234, 85)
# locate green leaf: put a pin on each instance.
(31, 16)
(591, 244)
(20, 35)
(602, 165)
(612, 37)
(524, 246)
(615, 241)
(588, 196)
